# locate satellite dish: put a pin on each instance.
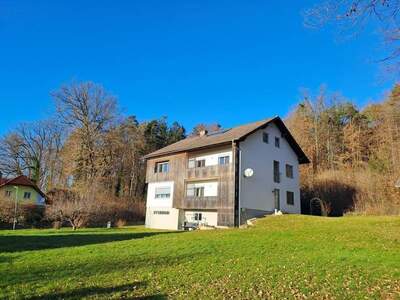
(248, 172)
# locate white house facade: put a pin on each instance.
(224, 178)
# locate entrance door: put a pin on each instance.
(277, 199)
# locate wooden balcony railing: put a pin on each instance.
(200, 202)
(208, 172)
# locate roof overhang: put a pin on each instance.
(302, 157)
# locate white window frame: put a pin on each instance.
(165, 192)
(161, 167)
(224, 159)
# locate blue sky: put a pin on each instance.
(194, 61)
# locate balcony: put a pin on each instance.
(192, 202)
(208, 172)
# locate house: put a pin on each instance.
(224, 178)
(22, 189)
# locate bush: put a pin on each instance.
(78, 211)
(120, 223)
(361, 192)
(27, 214)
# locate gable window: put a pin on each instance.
(290, 198)
(265, 137)
(223, 160)
(200, 163)
(8, 193)
(161, 167)
(163, 192)
(277, 177)
(277, 142)
(289, 171)
(27, 195)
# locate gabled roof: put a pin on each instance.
(228, 136)
(21, 180)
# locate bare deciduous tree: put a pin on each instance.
(88, 110)
(352, 16)
(31, 149)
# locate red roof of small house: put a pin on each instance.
(21, 180)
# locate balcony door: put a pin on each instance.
(277, 200)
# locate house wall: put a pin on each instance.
(180, 175)
(211, 158)
(36, 198)
(209, 218)
(210, 187)
(256, 192)
(159, 211)
(176, 174)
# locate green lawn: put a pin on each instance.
(287, 256)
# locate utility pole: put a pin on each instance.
(15, 207)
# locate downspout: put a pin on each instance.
(237, 166)
(239, 184)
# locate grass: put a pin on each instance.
(281, 257)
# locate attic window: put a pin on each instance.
(265, 138)
(277, 142)
(27, 195)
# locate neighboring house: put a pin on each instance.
(22, 189)
(224, 178)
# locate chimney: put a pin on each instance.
(203, 132)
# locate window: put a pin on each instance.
(198, 216)
(27, 195)
(265, 138)
(277, 142)
(223, 160)
(277, 199)
(200, 163)
(161, 167)
(163, 192)
(194, 191)
(289, 171)
(191, 163)
(8, 193)
(277, 177)
(290, 198)
(161, 212)
(199, 191)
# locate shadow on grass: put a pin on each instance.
(17, 243)
(122, 290)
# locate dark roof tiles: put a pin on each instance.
(227, 136)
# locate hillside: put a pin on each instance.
(288, 256)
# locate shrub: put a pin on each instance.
(120, 223)
(361, 192)
(69, 206)
(27, 214)
(80, 211)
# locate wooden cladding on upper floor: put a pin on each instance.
(175, 170)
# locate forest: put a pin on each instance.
(354, 152)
